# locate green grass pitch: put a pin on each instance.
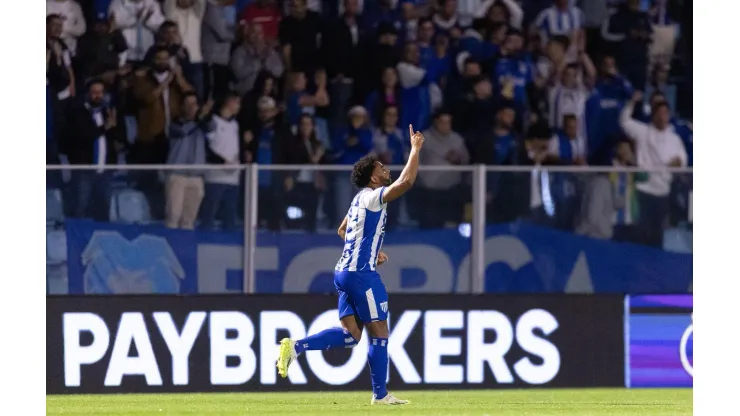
(591, 402)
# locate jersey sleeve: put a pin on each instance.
(374, 199)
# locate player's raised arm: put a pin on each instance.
(408, 175)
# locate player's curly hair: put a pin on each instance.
(363, 171)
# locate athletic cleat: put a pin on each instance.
(286, 356)
(388, 399)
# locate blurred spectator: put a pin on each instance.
(629, 33)
(322, 104)
(439, 189)
(100, 50)
(507, 12)
(476, 113)
(222, 185)
(59, 71)
(217, 36)
(158, 90)
(299, 37)
(381, 12)
(657, 146)
(594, 14)
(445, 19)
(138, 20)
(460, 87)
(188, 15)
(535, 152)
(392, 149)
(627, 210)
(665, 32)
(187, 140)
(266, 14)
(380, 55)
(570, 94)
(73, 21)
(424, 38)
(349, 144)
(659, 83)
(251, 57)
(562, 18)
(498, 149)
(340, 44)
(389, 93)
(567, 146)
(265, 85)
(419, 97)
(303, 187)
(168, 36)
(60, 81)
(597, 208)
(265, 145)
(94, 139)
(439, 65)
(411, 12)
(612, 91)
(513, 72)
(388, 140)
(299, 101)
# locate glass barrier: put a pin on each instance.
(427, 230)
(128, 230)
(640, 207)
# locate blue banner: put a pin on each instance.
(520, 258)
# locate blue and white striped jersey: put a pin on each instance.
(365, 231)
(552, 21)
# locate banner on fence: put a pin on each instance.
(229, 343)
(660, 341)
(520, 258)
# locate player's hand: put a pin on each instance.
(382, 258)
(417, 139)
(637, 97)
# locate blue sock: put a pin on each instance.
(326, 340)
(378, 359)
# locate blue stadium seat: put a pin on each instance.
(56, 247)
(129, 206)
(54, 207)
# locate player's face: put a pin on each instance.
(381, 174)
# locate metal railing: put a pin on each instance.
(478, 223)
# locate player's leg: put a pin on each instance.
(345, 337)
(373, 311)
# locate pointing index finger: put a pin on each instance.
(411, 131)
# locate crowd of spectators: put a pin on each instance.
(496, 82)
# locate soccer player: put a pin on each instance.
(363, 300)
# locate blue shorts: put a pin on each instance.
(362, 294)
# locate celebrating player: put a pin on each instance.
(363, 300)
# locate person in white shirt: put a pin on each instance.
(658, 146)
(138, 20)
(222, 185)
(570, 93)
(188, 14)
(74, 21)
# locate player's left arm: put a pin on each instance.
(342, 231)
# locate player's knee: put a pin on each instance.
(351, 339)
